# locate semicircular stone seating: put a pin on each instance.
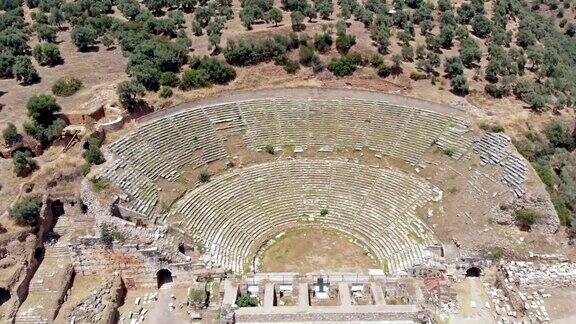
(375, 206)
(157, 149)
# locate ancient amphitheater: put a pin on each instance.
(241, 208)
(199, 195)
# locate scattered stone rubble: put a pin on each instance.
(494, 148)
(140, 309)
(91, 308)
(530, 274)
(548, 222)
(151, 235)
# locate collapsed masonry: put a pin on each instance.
(494, 149)
(327, 297)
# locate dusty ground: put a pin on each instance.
(315, 250)
(157, 311)
(560, 305)
(472, 298)
(82, 287)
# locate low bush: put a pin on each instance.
(99, 184)
(169, 79)
(204, 177)
(526, 216)
(492, 127)
(384, 71)
(23, 163)
(291, 66)
(247, 301)
(27, 211)
(269, 149)
(65, 87)
(418, 76)
(165, 92)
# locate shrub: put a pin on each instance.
(453, 66)
(47, 54)
(341, 67)
(7, 61)
(384, 71)
(459, 85)
(204, 177)
(85, 168)
(291, 66)
(317, 65)
(494, 90)
(407, 53)
(324, 212)
(27, 211)
(67, 86)
(23, 163)
(165, 92)
(24, 71)
(416, 76)
(41, 108)
(129, 91)
(247, 301)
(198, 298)
(46, 32)
(192, 79)
(218, 71)
(99, 184)
(494, 253)
(106, 237)
(10, 134)
(306, 54)
(269, 149)
(345, 42)
(376, 60)
(492, 127)
(169, 79)
(54, 130)
(322, 42)
(83, 37)
(449, 151)
(93, 155)
(559, 134)
(248, 51)
(35, 130)
(526, 216)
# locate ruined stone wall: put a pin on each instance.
(79, 117)
(19, 289)
(137, 268)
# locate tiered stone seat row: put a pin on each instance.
(142, 192)
(494, 148)
(159, 148)
(375, 206)
(393, 130)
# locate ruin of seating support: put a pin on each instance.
(375, 206)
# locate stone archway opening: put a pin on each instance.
(4, 296)
(473, 272)
(163, 276)
(39, 254)
(57, 208)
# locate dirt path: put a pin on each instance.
(472, 298)
(161, 313)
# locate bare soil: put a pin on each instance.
(315, 250)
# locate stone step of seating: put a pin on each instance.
(30, 319)
(236, 209)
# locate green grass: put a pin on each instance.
(99, 184)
